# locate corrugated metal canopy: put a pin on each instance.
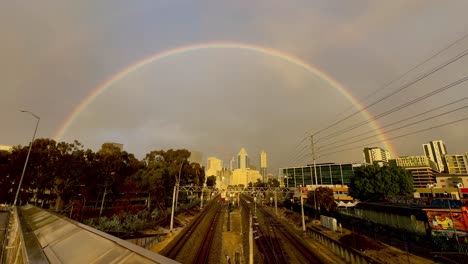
(67, 241)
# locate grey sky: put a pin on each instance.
(53, 54)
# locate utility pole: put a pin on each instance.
(312, 146)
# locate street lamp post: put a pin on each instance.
(27, 157)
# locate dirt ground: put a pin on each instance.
(370, 247)
(179, 223)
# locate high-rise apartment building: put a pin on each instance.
(456, 164)
(242, 159)
(435, 151)
(422, 168)
(263, 165)
(376, 155)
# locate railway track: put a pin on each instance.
(197, 236)
(206, 245)
(276, 242)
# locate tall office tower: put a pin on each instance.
(196, 156)
(263, 165)
(242, 159)
(376, 155)
(214, 167)
(435, 151)
(231, 162)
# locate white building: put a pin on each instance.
(435, 151)
(456, 164)
(245, 176)
(214, 167)
(376, 155)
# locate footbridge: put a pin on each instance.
(34, 235)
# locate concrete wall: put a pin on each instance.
(348, 254)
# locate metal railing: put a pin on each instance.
(13, 249)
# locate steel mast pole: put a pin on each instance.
(27, 157)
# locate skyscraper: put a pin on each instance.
(376, 155)
(263, 164)
(242, 159)
(231, 167)
(435, 151)
(214, 167)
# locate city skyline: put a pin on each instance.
(160, 76)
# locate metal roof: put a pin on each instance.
(67, 241)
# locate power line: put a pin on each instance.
(399, 121)
(404, 126)
(408, 71)
(423, 76)
(400, 136)
(396, 108)
(295, 156)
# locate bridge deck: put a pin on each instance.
(66, 241)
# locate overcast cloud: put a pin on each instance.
(54, 53)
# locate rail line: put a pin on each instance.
(208, 215)
(204, 250)
(272, 236)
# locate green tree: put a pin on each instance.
(161, 170)
(6, 183)
(259, 183)
(211, 181)
(272, 182)
(324, 197)
(373, 181)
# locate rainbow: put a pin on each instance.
(215, 45)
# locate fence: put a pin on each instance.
(145, 242)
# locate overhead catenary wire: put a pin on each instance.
(399, 121)
(402, 106)
(396, 137)
(409, 84)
